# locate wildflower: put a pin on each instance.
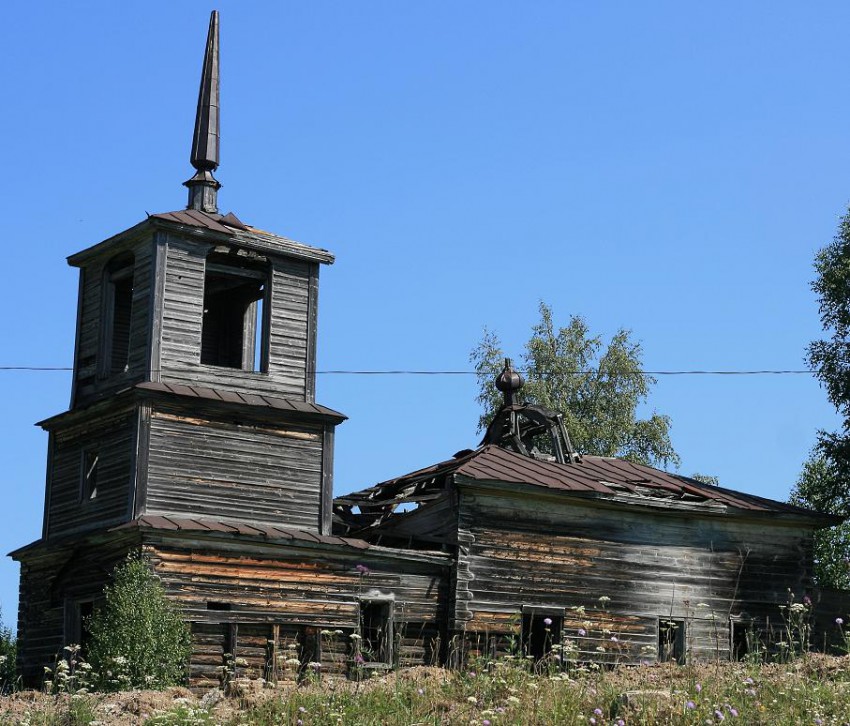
(592, 720)
(500, 709)
(698, 688)
(604, 599)
(614, 639)
(547, 621)
(597, 711)
(314, 666)
(359, 659)
(733, 711)
(582, 632)
(839, 622)
(362, 569)
(750, 692)
(749, 680)
(807, 601)
(485, 722)
(301, 709)
(472, 699)
(620, 722)
(513, 699)
(299, 722)
(690, 705)
(703, 605)
(355, 636)
(420, 691)
(719, 715)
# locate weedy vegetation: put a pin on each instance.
(781, 682)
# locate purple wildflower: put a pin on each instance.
(359, 659)
(597, 711)
(547, 621)
(362, 569)
(582, 632)
(750, 692)
(299, 722)
(734, 712)
(690, 705)
(485, 722)
(807, 600)
(719, 715)
(500, 709)
(301, 709)
(839, 622)
(614, 639)
(592, 720)
(698, 688)
(749, 680)
(620, 722)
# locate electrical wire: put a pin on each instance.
(756, 372)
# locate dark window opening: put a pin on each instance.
(235, 325)
(376, 630)
(213, 605)
(78, 615)
(118, 310)
(739, 637)
(540, 632)
(671, 641)
(86, 610)
(310, 650)
(88, 484)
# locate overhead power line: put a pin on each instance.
(755, 372)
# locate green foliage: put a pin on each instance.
(8, 655)
(597, 388)
(822, 483)
(820, 488)
(137, 638)
(706, 479)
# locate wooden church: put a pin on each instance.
(194, 437)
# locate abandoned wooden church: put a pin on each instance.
(193, 436)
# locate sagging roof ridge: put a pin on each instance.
(594, 475)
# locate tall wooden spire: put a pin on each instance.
(203, 187)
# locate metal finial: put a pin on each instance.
(203, 187)
(509, 382)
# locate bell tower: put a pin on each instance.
(194, 370)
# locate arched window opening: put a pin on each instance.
(118, 309)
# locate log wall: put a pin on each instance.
(220, 466)
(525, 551)
(282, 602)
(180, 302)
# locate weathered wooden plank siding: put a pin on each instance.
(91, 378)
(300, 596)
(112, 436)
(536, 552)
(182, 322)
(51, 581)
(214, 466)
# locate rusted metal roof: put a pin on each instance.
(593, 476)
(224, 223)
(247, 399)
(253, 529)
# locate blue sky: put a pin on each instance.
(666, 167)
